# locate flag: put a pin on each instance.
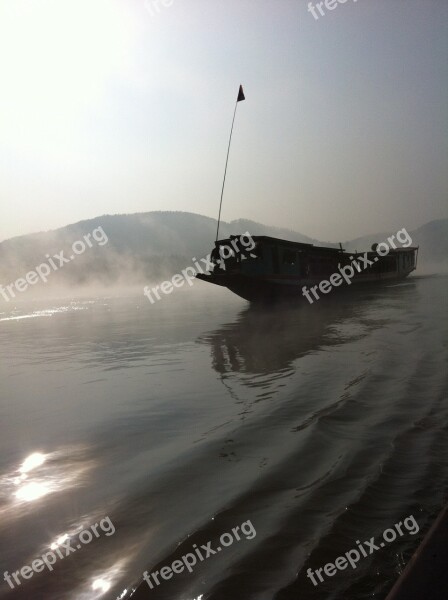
(240, 94)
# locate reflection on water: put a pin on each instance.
(260, 348)
(102, 582)
(267, 340)
(30, 490)
(36, 314)
(59, 541)
(32, 461)
(41, 474)
(322, 424)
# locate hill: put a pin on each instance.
(139, 248)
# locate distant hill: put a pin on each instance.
(149, 246)
(432, 238)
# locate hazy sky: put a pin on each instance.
(122, 106)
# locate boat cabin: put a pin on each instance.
(278, 259)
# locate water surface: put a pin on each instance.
(321, 425)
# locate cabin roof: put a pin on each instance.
(400, 249)
(297, 245)
(303, 246)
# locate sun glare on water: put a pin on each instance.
(101, 584)
(32, 461)
(32, 491)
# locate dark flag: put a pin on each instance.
(240, 94)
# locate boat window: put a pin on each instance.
(289, 257)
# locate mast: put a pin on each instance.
(239, 99)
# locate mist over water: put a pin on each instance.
(180, 420)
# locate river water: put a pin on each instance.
(310, 428)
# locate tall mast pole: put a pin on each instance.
(239, 98)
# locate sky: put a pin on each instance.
(124, 106)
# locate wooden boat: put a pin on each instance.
(264, 268)
(271, 268)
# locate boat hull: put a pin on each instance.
(264, 289)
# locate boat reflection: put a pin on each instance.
(265, 341)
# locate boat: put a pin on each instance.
(270, 268)
(267, 268)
